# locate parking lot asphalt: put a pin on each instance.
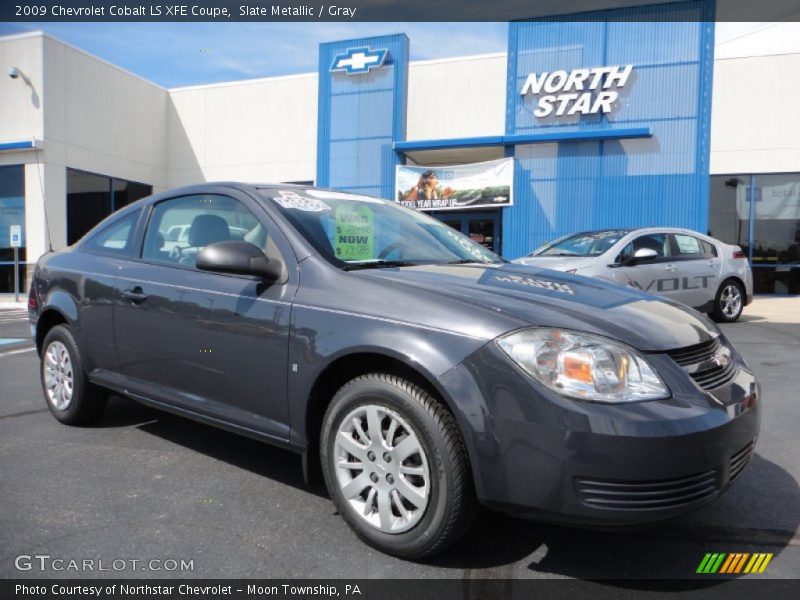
(141, 484)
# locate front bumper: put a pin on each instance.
(540, 455)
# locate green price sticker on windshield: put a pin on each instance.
(355, 232)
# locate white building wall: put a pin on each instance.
(755, 123)
(20, 101)
(458, 97)
(91, 115)
(263, 130)
(98, 118)
(102, 119)
(21, 118)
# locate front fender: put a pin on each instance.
(319, 338)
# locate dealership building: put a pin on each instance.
(609, 120)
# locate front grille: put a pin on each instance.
(716, 377)
(692, 355)
(739, 461)
(650, 495)
(698, 360)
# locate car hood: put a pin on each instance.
(544, 297)
(559, 263)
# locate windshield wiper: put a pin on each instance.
(466, 261)
(378, 264)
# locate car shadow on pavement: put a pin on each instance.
(760, 513)
(751, 318)
(647, 558)
(239, 451)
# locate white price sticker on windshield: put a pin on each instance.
(293, 200)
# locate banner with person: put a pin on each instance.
(473, 185)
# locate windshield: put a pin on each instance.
(354, 231)
(593, 243)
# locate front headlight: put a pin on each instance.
(584, 366)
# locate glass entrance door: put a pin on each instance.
(482, 227)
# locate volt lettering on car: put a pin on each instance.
(670, 284)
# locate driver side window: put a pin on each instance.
(658, 242)
(180, 228)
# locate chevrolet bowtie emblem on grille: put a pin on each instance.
(359, 60)
(722, 357)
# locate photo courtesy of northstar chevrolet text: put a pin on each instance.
(397, 300)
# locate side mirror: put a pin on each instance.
(642, 255)
(239, 258)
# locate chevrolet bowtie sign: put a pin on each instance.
(359, 60)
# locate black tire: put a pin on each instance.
(722, 312)
(451, 505)
(87, 400)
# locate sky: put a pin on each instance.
(179, 54)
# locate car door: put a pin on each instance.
(656, 275)
(211, 343)
(102, 253)
(698, 268)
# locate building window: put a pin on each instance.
(126, 192)
(12, 212)
(88, 202)
(729, 209)
(776, 233)
(91, 198)
(772, 242)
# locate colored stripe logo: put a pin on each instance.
(734, 563)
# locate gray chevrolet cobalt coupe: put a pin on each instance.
(421, 374)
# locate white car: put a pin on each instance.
(683, 265)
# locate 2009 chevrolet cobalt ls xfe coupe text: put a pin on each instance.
(421, 373)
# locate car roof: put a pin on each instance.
(641, 230)
(669, 230)
(594, 231)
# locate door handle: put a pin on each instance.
(669, 268)
(136, 295)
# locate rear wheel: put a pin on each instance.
(70, 396)
(396, 466)
(729, 302)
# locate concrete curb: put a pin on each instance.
(12, 305)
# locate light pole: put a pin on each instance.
(15, 231)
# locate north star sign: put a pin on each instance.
(359, 60)
(579, 92)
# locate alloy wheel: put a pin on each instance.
(58, 376)
(730, 300)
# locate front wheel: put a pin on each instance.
(729, 302)
(396, 467)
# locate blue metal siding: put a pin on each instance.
(23, 145)
(360, 117)
(510, 140)
(660, 180)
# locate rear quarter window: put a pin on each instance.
(709, 249)
(693, 247)
(116, 238)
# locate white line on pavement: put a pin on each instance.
(20, 351)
